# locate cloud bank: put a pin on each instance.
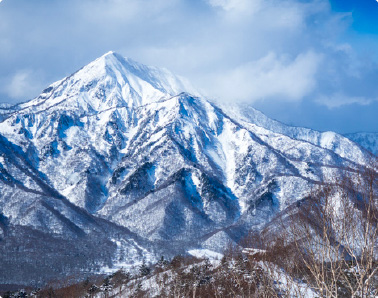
(281, 56)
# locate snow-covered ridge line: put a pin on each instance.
(327, 140)
(164, 169)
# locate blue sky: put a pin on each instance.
(308, 63)
(364, 13)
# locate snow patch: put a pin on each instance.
(205, 254)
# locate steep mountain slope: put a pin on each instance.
(43, 236)
(341, 145)
(133, 155)
(75, 129)
(368, 140)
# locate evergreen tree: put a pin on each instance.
(144, 270)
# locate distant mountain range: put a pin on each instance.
(121, 162)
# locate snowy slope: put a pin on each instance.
(341, 145)
(162, 170)
(43, 235)
(108, 82)
(368, 140)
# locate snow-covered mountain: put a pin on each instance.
(132, 160)
(368, 140)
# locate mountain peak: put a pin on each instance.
(110, 57)
(110, 53)
(111, 81)
(203, 175)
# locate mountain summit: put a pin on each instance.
(130, 159)
(108, 82)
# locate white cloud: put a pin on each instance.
(246, 6)
(119, 12)
(339, 99)
(271, 76)
(247, 50)
(24, 84)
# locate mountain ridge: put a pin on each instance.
(160, 169)
(367, 140)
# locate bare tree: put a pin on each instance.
(334, 235)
